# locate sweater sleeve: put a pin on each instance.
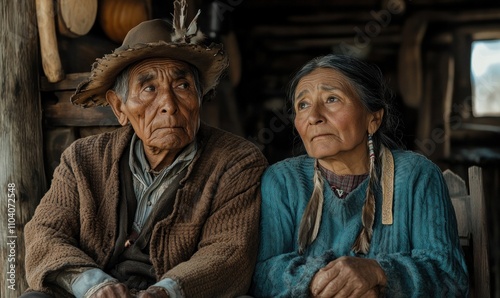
(433, 263)
(52, 235)
(287, 275)
(280, 270)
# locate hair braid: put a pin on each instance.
(362, 243)
(311, 219)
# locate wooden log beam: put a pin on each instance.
(59, 111)
(327, 31)
(63, 113)
(22, 177)
(70, 82)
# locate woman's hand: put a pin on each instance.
(349, 277)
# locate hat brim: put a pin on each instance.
(210, 61)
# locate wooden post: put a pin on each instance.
(22, 178)
(479, 233)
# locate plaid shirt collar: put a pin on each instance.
(341, 185)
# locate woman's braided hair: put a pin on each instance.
(368, 83)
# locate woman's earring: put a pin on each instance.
(371, 151)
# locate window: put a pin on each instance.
(485, 78)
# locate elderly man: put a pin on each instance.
(162, 207)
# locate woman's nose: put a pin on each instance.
(316, 115)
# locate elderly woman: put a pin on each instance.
(355, 217)
(165, 206)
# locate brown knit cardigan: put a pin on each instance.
(209, 242)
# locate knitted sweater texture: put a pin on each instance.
(420, 252)
(208, 244)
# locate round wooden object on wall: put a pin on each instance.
(76, 17)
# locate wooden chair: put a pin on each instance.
(471, 213)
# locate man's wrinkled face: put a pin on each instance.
(162, 105)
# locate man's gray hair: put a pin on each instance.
(121, 84)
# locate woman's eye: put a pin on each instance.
(302, 105)
(332, 99)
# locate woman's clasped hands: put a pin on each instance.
(349, 277)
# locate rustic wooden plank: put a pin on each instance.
(481, 15)
(64, 113)
(462, 212)
(350, 42)
(470, 210)
(328, 31)
(479, 233)
(273, 4)
(461, 203)
(462, 16)
(410, 75)
(22, 176)
(70, 82)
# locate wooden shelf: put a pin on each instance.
(59, 111)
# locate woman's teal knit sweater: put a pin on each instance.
(419, 252)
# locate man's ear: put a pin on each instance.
(375, 121)
(116, 105)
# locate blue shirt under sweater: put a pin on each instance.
(420, 252)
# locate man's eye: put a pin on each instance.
(150, 89)
(184, 85)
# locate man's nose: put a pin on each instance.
(168, 103)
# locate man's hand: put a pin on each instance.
(113, 290)
(348, 277)
(153, 292)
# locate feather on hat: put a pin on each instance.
(155, 39)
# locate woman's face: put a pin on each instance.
(330, 117)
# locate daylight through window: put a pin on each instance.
(485, 78)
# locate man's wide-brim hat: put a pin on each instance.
(154, 39)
